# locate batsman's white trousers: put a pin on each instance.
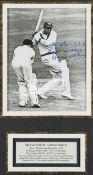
(26, 81)
(58, 70)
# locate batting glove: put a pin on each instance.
(37, 37)
(34, 34)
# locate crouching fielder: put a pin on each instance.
(23, 58)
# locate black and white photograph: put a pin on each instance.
(46, 59)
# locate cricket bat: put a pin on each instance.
(39, 20)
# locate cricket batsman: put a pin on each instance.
(23, 58)
(46, 39)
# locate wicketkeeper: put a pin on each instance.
(46, 40)
(23, 58)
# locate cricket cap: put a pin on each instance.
(48, 25)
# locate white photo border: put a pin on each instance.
(88, 62)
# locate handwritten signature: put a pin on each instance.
(69, 50)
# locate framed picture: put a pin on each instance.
(46, 59)
(46, 124)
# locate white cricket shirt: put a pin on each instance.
(46, 45)
(23, 54)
